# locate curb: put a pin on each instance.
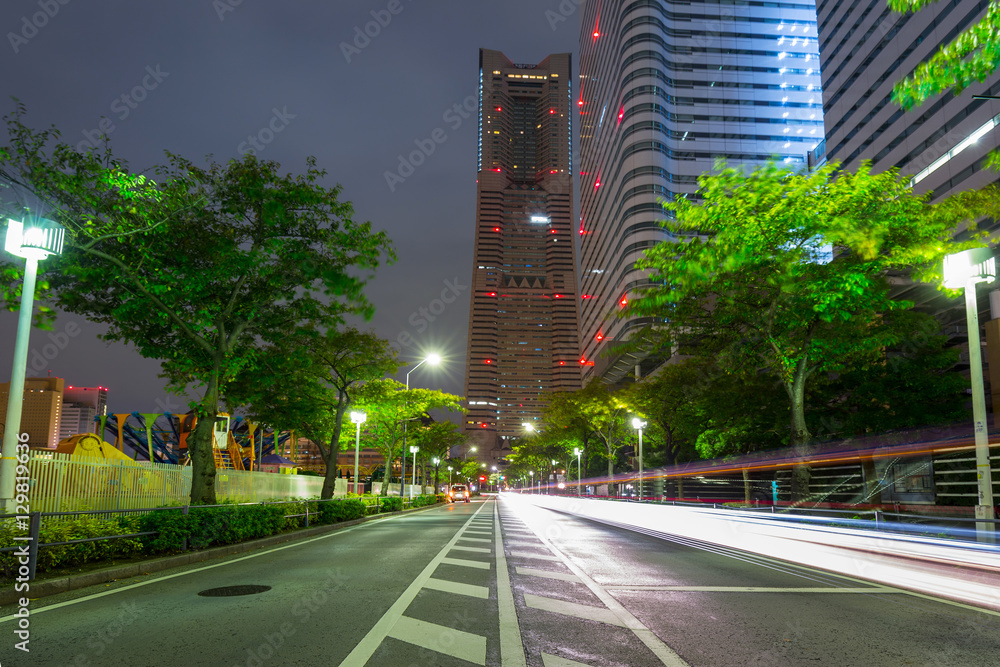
(47, 587)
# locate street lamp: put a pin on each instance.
(577, 452)
(433, 360)
(965, 270)
(413, 450)
(357, 418)
(436, 461)
(638, 425)
(449, 475)
(471, 450)
(34, 240)
(531, 484)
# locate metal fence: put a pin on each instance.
(60, 482)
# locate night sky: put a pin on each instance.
(205, 77)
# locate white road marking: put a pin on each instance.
(547, 574)
(478, 564)
(478, 550)
(556, 661)
(589, 612)
(440, 638)
(666, 654)
(523, 544)
(753, 589)
(476, 539)
(457, 588)
(511, 645)
(371, 641)
(525, 554)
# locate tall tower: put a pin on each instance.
(665, 90)
(523, 340)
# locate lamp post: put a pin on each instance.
(436, 461)
(413, 450)
(433, 360)
(965, 270)
(577, 452)
(531, 483)
(449, 475)
(357, 418)
(638, 425)
(33, 240)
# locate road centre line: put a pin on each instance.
(511, 644)
(371, 641)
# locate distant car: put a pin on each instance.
(458, 492)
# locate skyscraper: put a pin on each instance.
(665, 90)
(41, 412)
(523, 341)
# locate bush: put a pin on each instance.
(425, 500)
(207, 526)
(335, 511)
(73, 528)
(390, 504)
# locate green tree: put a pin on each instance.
(972, 56)
(305, 382)
(201, 268)
(754, 270)
(389, 405)
(601, 412)
(436, 440)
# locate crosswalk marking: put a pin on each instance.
(457, 588)
(527, 554)
(440, 638)
(548, 574)
(466, 563)
(476, 539)
(599, 614)
(478, 550)
(753, 589)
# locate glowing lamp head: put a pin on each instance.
(433, 359)
(638, 423)
(358, 417)
(35, 239)
(977, 265)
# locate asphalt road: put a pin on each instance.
(500, 583)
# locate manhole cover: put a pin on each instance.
(227, 591)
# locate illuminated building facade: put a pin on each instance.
(666, 88)
(41, 411)
(523, 326)
(866, 49)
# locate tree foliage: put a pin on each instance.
(201, 267)
(306, 381)
(972, 56)
(786, 272)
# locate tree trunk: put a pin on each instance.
(746, 486)
(680, 488)
(329, 481)
(873, 492)
(801, 437)
(201, 444)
